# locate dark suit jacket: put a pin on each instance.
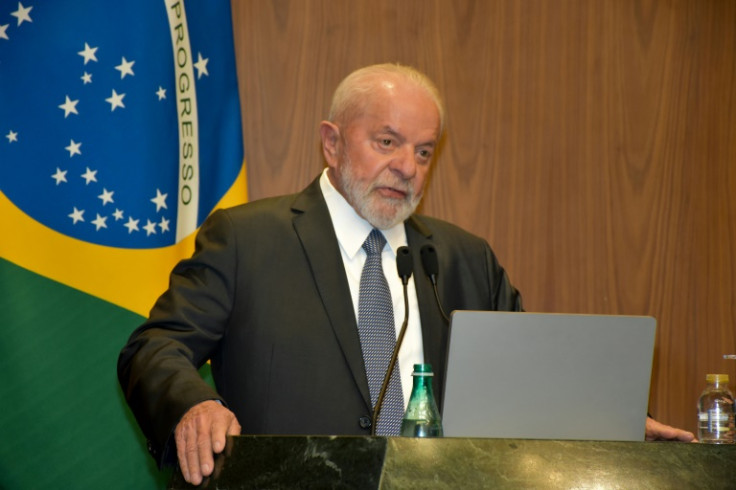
(266, 298)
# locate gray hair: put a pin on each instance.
(354, 88)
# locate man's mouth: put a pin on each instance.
(392, 192)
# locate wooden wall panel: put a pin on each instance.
(592, 143)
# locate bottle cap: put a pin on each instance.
(710, 378)
(422, 370)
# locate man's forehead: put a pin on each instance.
(402, 117)
(394, 103)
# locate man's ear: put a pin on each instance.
(330, 135)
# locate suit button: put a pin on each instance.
(152, 449)
(365, 422)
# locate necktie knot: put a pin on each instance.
(374, 243)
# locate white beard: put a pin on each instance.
(381, 212)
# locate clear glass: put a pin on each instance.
(422, 419)
(716, 412)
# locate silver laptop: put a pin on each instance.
(548, 376)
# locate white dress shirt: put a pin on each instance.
(352, 231)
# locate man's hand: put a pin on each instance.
(657, 431)
(200, 433)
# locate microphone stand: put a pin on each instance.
(432, 268)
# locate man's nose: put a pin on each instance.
(404, 162)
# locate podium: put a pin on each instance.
(319, 462)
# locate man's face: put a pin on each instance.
(383, 155)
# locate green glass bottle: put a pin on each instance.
(422, 419)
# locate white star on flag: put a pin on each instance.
(22, 14)
(161, 92)
(115, 100)
(12, 136)
(90, 176)
(3, 33)
(77, 215)
(100, 222)
(88, 53)
(106, 196)
(59, 176)
(86, 78)
(150, 227)
(201, 66)
(131, 225)
(118, 214)
(125, 67)
(164, 224)
(159, 200)
(69, 106)
(73, 148)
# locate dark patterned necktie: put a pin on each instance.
(377, 333)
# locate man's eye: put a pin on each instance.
(386, 142)
(425, 154)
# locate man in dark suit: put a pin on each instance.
(271, 293)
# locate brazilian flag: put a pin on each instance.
(119, 133)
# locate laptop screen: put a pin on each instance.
(548, 376)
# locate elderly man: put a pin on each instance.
(276, 292)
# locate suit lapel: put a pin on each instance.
(313, 226)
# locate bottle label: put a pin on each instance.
(714, 417)
(716, 425)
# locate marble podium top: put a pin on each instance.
(276, 462)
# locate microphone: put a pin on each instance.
(404, 264)
(405, 267)
(430, 263)
(432, 269)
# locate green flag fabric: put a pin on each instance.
(119, 134)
